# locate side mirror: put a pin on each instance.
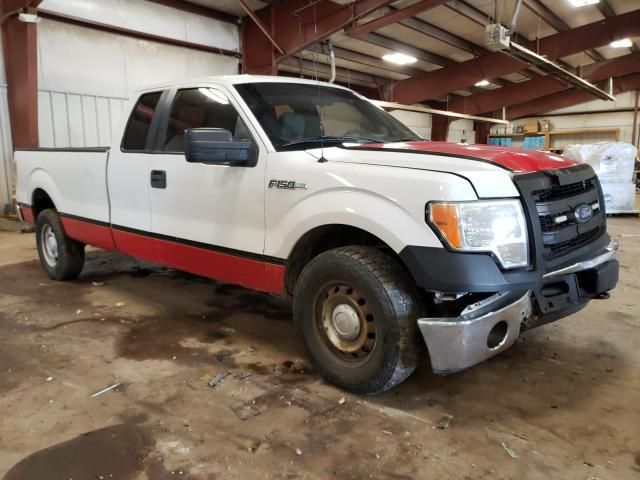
(216, 146)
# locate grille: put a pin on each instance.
(549, 195)
(559, 249)
(559, 192)
(548, 222)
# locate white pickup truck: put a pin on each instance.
(306, 189)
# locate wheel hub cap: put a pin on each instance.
(345, 321)
(49, 245)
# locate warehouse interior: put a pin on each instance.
(137, 371)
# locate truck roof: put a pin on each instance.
(230, 80)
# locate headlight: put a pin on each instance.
(496, 226)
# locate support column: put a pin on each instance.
(440, 128)
(482, 132)
(20, 57)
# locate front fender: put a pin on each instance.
(370, 212)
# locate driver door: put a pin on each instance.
(207, 219)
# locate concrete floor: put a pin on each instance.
(563, 403)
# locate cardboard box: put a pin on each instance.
(531, 126)
(545, 126)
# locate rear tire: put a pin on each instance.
(356, 308)
(61, 257)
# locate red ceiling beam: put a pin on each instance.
(295, 25)
(567, 99)
(542, 86)
(462, 75)
(9, 7)
(395, 17)
(20, 61)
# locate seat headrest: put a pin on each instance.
(292, 125)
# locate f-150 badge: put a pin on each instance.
(287, 184)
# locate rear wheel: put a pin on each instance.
(356, 308)
(61, 257)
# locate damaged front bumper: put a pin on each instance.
(483, 330)
(488, 327)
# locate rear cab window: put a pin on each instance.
(137, 134)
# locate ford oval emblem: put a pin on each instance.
(583, 213)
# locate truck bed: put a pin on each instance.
(74, 178)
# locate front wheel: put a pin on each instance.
(61, 257)
(356, 308)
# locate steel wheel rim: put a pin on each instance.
(346, 322)
(49, 244)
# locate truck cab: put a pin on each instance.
(384, 241)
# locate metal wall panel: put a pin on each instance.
(7, 168)
(69, 119)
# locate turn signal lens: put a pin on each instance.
(445, 217)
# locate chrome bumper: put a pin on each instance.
(458, 343)
(489, 327)
(610, 253)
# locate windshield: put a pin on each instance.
(298, 116)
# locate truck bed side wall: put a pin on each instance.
(75, 181)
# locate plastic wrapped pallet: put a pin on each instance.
(619, 197)
(614, 163)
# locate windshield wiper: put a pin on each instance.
(330, 139)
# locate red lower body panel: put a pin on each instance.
(26, 213)
(89, 233)
(248, 272)
(221, 266)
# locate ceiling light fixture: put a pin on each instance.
(624, 43)
(582, 3)
(399, 58)
(483, 83)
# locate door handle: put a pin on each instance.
(158, 179)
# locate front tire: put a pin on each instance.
(61, 257)
(356, 308)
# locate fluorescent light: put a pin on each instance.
(582, 3)
(483, 83)
(624, 43)
(399, 58)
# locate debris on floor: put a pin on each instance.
(217, 380)
(342, 401)
(444, 422)
(244, 410)
(108, 389)
(242, 374)
(509, 450)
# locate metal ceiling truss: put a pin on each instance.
(524, 91)
(434, 84)
(567, 99)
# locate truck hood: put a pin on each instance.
(488, 168)
(513, 159)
